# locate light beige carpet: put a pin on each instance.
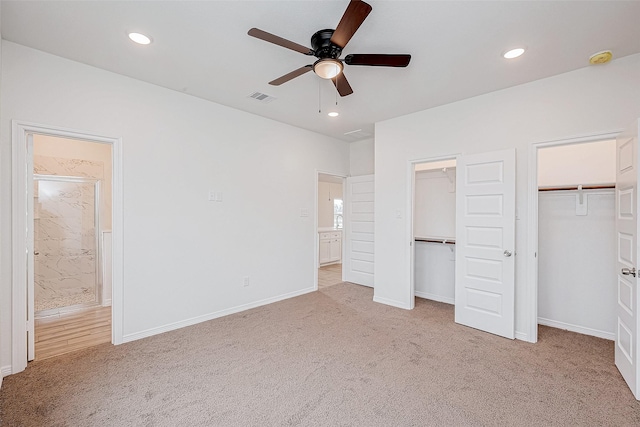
(330, 358)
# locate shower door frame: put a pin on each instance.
(97, 204)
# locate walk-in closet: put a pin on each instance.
(576, 238)
(434, 227)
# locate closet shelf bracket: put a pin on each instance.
(581, 202)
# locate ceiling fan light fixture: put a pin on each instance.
(327, 68)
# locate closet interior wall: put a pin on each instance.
(576, 238)
(434, 232)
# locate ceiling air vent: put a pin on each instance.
(262, 97)
(358, 134)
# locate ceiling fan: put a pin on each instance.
(327, 46)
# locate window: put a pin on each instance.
(337, 213)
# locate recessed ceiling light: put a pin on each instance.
(513, 53)
(333, 114)
(139, 38)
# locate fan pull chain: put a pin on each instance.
(319, 99)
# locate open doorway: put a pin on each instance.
(22, 243)
(71, 216)
(434, 230)
(330, 229)
(474, 212)
(577, 237)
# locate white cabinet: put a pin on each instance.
(330, 247)
(336, 248)
(325, 248)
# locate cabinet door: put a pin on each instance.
(325, 251)
(336, 249)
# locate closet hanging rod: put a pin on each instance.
(442, 241)
(575, 187)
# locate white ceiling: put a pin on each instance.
(323, 177)
(202, 48)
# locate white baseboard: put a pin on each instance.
(106, 303)
(361, 284)
(199, 319)
(391, 302)
(522, 336)
(575, 328)
(434, 297)
(330, 263)
(4, 371)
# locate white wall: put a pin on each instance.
(577, 262)
(107, 279)
(435, 270)
(361, 157)
(587, 101)
(184, 257)
(434, 216)
(435, 204)
(590, 163)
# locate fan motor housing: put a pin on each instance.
(322, 46)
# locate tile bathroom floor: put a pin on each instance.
(329, 275)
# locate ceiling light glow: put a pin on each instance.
(333, 114)
(139, 38)
(327, 68)
(513, 53)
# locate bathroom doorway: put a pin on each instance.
(330, 215)
(71, 244)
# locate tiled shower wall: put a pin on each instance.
(64, 233)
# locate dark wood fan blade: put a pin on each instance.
(376, 60)
(271, 38)
(292, 75)
(353, 17)
(342, 85)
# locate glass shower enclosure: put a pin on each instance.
(66, 229)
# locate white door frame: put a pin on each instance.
(316, 239)
(21, 158)
(532, 264)
(411, 185)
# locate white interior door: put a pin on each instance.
(357, 266)
(485, 242)
(626, 348)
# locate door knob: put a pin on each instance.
(629, 272)
(507, 253)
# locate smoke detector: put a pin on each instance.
(601, 57)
